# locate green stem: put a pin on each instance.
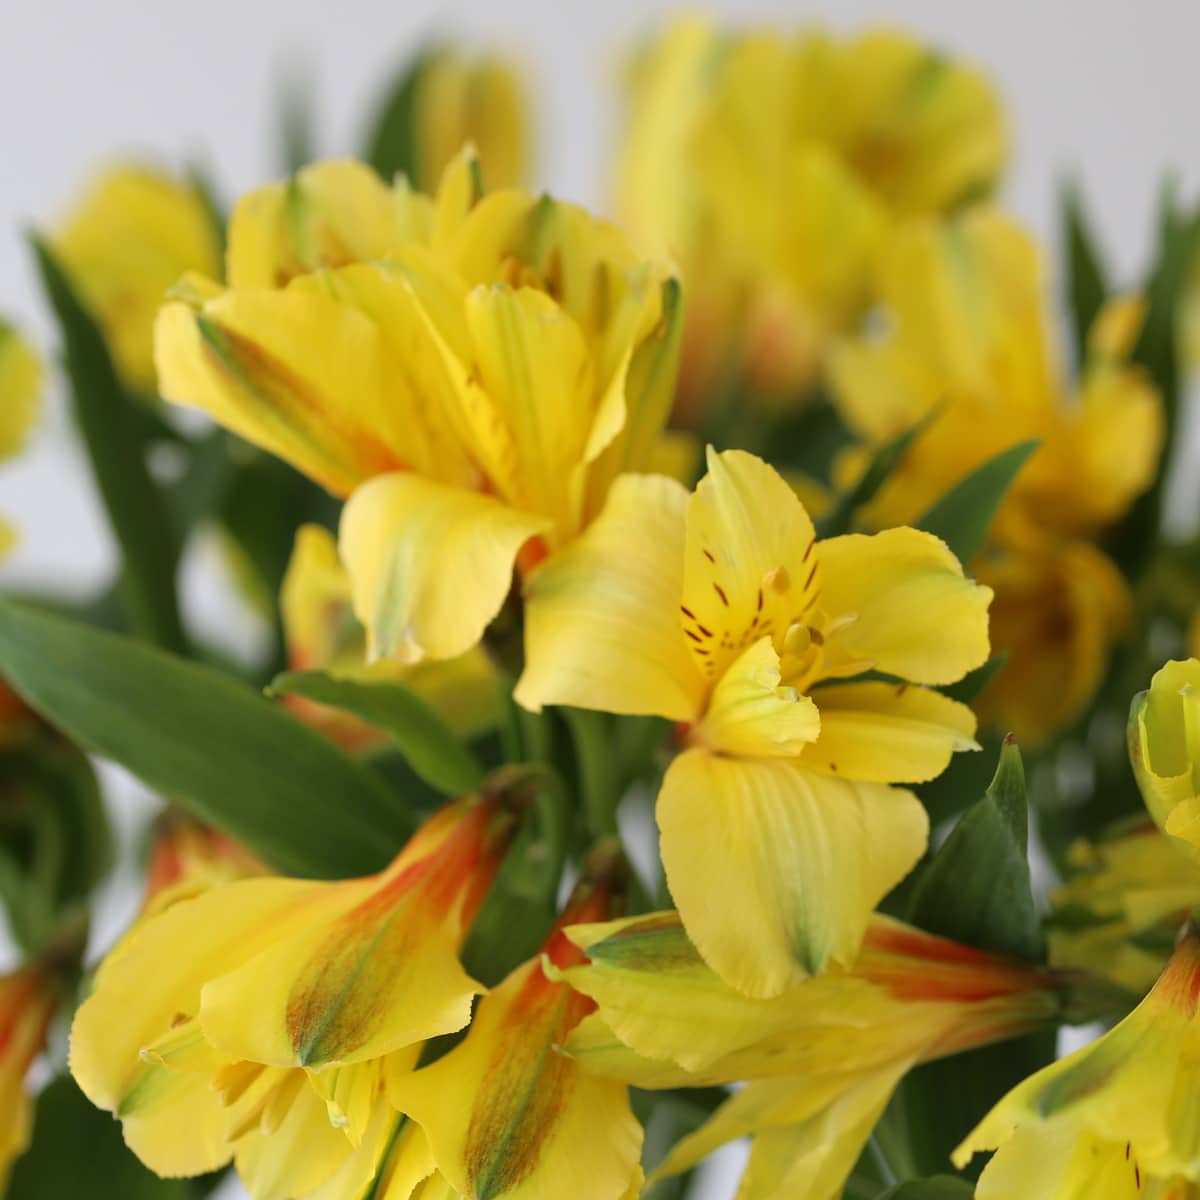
(599, 785)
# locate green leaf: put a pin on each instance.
(220, 750)
(936, 1187)
(976, 888)
(296, 119)
(391, 145)
(962, 517)
(77, 1151)
(431, 747)
(1133, 541)
(112, 433)
(1087, 288)
(882, 464)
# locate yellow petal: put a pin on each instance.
(776, 869)
(328, 214)
(807, 1134)
(375, 968)
(297, 373)
(749, 568)
(21, 380)
(602, 615)
(133, 234)
(535, 367)
(915, 614)
(429, 565)
(173, 1121)
(749, 714)
(888, 733)
(507, 1115)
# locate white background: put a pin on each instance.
(1109, 91)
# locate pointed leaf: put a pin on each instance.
(390, 146)
(962, 517)
(97, 1163)
(882, 464)
(113, 435)
(1086, 286)
(937, 1187)
(976, 888)
(431, 747)
(196, 736)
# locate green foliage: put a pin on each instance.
(883, 462)
(1087, 286)
(113, 433)
(977, 890)
(391, 143)
(1135, 539)
(227, 755)
(77, 1151)
(54, 839)
(936, 1187)
(962, 517)
(431, 747)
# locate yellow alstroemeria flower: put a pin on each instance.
(771, 167)
(1164, 747)
(822, 1058)
(505, 1112)
(459, 98)
(968, 347)
(472, 372)
(29, 999)
(721, 611)
(130, 236)
(1112, 1121)
(1125, 897)
(269, 1041)
(21, 379)
(1058, 611)
(321, 632)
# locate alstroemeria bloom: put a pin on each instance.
(822, 1058)
(29, 999)
(321, 632)
(1164, 747)
(457, 97)
(771, 167)
(131, 235)
(1113, 1121)
(20, 400)
(968, 346)
(472, 372)
(1127, 894)
(721, 611)
(506, 1113)
(258, 1020)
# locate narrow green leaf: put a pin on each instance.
(1133, 541)
(221, 751)
(962, 517)
(431, 747)
(936, 1187)
(391, 146)
(882, 464)
(296, 119)
(976, 888)
(111, 429)
(77, 1151)
(1087, 288)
